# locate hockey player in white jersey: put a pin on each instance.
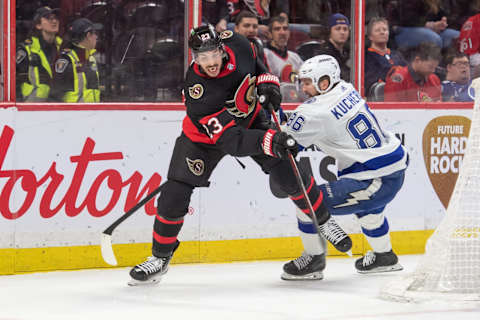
(371, 165)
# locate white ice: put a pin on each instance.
(246, 290)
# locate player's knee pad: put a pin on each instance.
(374, 225)
(174, 200)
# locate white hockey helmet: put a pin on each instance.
(317, 67)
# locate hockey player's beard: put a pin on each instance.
(212, 70)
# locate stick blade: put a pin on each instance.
(107, 250)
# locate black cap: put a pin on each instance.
(83, 25)
(43, 12)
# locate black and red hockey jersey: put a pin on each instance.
(221, 109)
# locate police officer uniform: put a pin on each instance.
(76, 72)
(34, 60)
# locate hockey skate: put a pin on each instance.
(336, 236)
(305, 267)
(150, 271)
(374, 262)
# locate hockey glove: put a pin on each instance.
(268, 88)
(277, 144)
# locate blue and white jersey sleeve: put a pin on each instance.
(342, 126)
(305, 124)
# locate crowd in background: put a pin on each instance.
(415, 50)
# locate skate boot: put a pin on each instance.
(305, 267)
(150, 271)
(336, 236)
(374, 262)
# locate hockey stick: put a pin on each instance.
(297, 174)
(106, 242)
(294, 167)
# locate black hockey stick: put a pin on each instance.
(297, 175)
(294, 167)
(106, 242)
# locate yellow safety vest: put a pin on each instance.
(33, 90)
(80, 92)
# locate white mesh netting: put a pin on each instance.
(450, 268)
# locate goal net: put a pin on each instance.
(450, 268)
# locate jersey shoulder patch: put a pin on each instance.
(196, 91)
(20, 56)
(61, 65)
(397, 77)
(226, 34)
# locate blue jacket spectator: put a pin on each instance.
(457, 84)
(379, 59)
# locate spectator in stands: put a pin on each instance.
(76, 76)
(379, 59)
(215, 12)
(415, 21)
(282, 62)
(469, 42)
(246, 24)
(456, 86)
(339, 32)
(36, 56)
(416, 81)
(263, 9)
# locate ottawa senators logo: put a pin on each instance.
(196, 92)
(288, 74)
(197, 166)
(245, 100)
(226, 34)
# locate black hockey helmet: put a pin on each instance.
(204, 38)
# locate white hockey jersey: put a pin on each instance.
(284, 68)
(342, 126)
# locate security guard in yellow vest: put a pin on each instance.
(76, 77)
(36, 56)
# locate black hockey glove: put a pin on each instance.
(277, 144)
(268, 89)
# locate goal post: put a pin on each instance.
(450, 267)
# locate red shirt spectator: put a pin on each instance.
(469, 42)
(417, 81)
(404, 84)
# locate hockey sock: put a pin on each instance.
(376, 230)
(316, 199)
(312, 243)
(165, 232)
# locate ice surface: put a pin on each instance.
(246, 290)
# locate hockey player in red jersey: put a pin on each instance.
(223, 117)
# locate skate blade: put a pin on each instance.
(395, 267)
(311, 276)
(138, 283)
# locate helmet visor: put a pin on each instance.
(203, 57)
